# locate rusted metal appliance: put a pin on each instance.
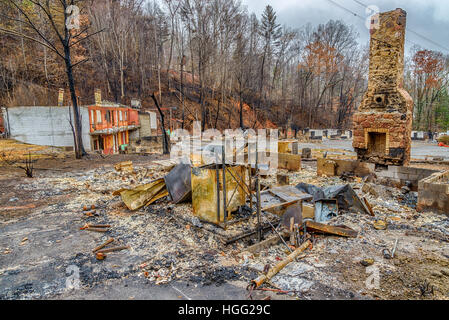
(209, 190)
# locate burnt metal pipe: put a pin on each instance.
(217, 172)
(223, 160)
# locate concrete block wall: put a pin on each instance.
(3, 117)
(405, 173)
(433, 194)
(393, 175)
(47, 126)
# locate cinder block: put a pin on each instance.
(283, 180)
(291, 162)
(405, 176)
(326, 167)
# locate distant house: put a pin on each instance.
(419, 135)
(332, 133)
(110, 125)
(346, 134)
(319, 134)
(316, 134)
(105, 127)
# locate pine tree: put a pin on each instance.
(271, 32)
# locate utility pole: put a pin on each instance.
(259, 227)
(169, 124)
(183, 62)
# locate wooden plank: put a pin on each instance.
(264, 244)
(288, 196)
(369, 207)
(331, 230)
(282, 205)
(245, 235)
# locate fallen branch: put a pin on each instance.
(277, 290)
(96, 230)
(103, 245)
(99, 226)
(281, 265)
(114, 249)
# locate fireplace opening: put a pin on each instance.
(377, 143)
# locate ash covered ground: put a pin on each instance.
(171, 256)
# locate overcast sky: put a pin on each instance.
(429, 18)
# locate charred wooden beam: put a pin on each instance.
(331, 230)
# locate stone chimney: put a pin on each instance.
(383, 122)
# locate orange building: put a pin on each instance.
(110, 125)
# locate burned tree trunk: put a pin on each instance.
(60, 37)
(79, 147)
(165, 139)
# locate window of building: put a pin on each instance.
(98, 116)
(96, 144)
(92, 120)
(108, 116)
(121, 115)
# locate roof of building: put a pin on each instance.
(110, 104)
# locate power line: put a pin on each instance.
(429, 40)
(408, 29)
(362, 4)
(344, 8)
(363, 19)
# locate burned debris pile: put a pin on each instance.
(143, 224)
(248, 215)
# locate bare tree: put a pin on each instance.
(62, 36)
(218, 57)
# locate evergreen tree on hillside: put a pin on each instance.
(271, 32)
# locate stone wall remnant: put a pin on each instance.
(383, 123)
